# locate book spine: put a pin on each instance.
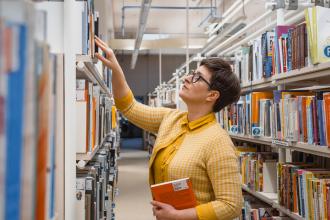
(320, 122)
(14, 128)
(315, 124)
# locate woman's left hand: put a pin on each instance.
(163, 211)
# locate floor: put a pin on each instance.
(133, 201)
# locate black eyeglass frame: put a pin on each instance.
(195, 79)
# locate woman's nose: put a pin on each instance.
(188, 78)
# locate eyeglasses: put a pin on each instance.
(197, 76)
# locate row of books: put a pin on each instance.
(304, 189)
(90, 28)
(254, 209)
(258, 170)
(95, 117)
(96, 184)
(297, 116)
(31, 124)
(286, 48)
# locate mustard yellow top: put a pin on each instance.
(200, 150)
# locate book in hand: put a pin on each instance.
(177, 193)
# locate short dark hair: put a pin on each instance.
(223, 80)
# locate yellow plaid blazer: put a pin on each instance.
(206, 155)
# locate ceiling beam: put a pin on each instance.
(145, 7)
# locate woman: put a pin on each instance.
(189, 144)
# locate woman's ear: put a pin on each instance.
(213, 95)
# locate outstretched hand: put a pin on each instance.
(110, 59)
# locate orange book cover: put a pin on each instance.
(87, 120)
(304, 117)
(326, 98)
(177, 193)
(113, 117)
(256, 96)
(43, 140)
(94, 123)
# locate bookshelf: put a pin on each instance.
(295, 146)
(271, 199)
(315, 75)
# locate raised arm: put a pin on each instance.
(143, 116)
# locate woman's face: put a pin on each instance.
(196, 93)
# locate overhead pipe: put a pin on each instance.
(187, 34)
(242, 31)
(273, 24)
(230, 13)
(229, 40)
(218, 38)
(145, 7)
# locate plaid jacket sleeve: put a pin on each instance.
(143, 116)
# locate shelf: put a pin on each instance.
(257, 85)
(323, 151)
(287, 212)
(87, 156)
(86, 69)
(169, 105)
(86, 58)
(259, 140)
(314, 72)
(307, 76)
(271, 199)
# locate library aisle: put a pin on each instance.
(133, 200)
(227, 100)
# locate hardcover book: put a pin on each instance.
(177, 193)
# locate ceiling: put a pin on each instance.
(166, 25)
